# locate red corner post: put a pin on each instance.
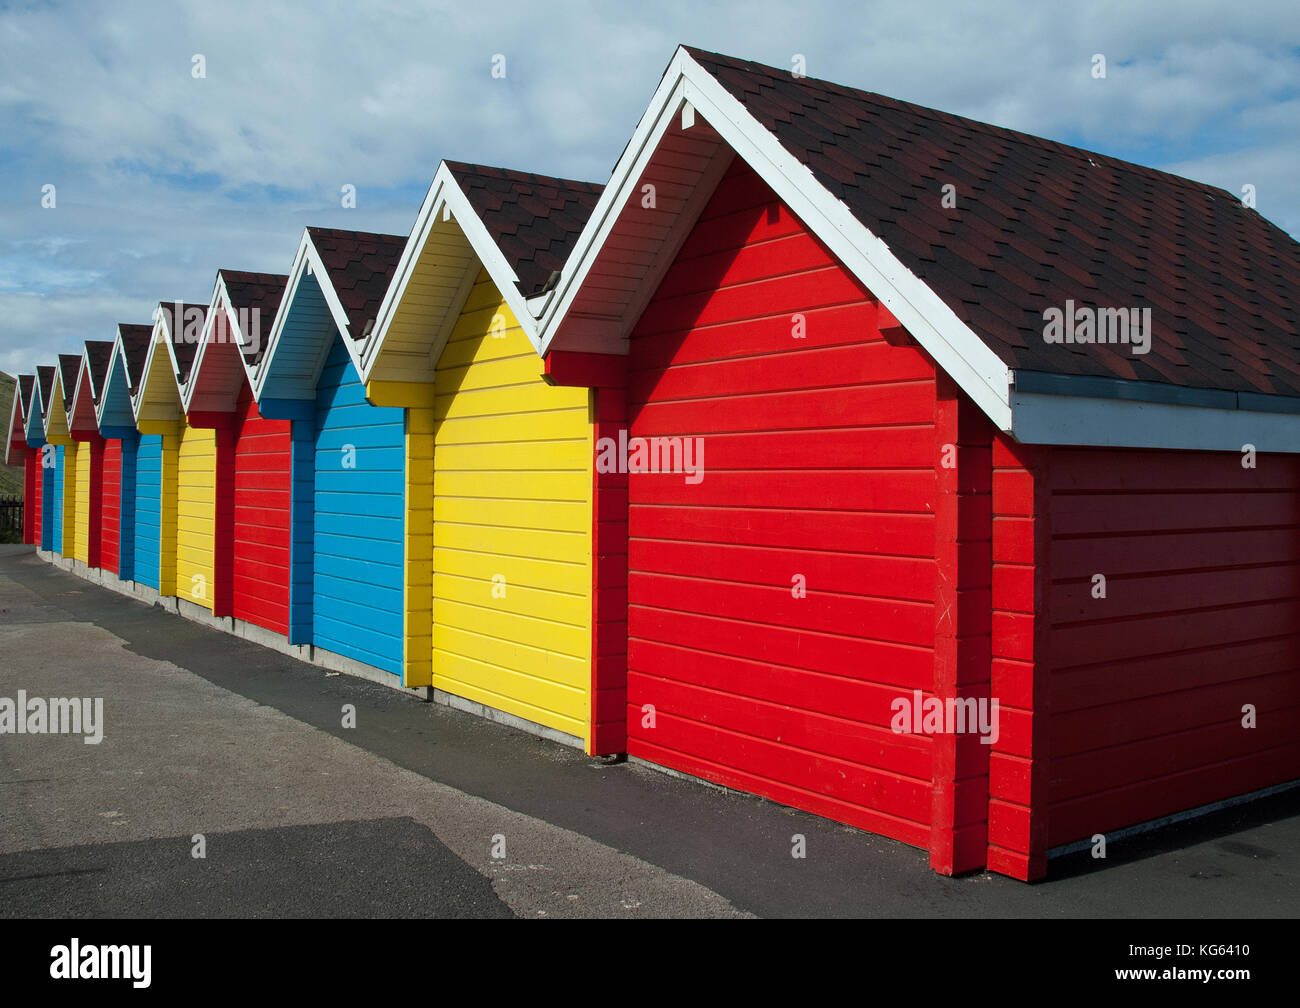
(606, 376)
(31, 473)
(1019, 762)
(963, 627)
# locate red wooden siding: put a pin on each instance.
(1201, 616)
(260, 554)
(819, 461)
(38, 490)
(31, 500)
(1018, 765)
(111, 512)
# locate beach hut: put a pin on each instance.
(19, 453)
(92, 460)
(499, 519)
(47, 480)
(69, 464)
(134, 459)
(186, 457)
(253, 453)
(988, 540)
(348, 457)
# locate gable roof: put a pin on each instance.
(360, 266)
(519, 226)
(336, 285)
(91, 379)
(259, 295)
(533, 219)
(17, 429)
(42, 388)
(177, 329)
(134, 341)
(114, 411)
(1037, 224)
(25, 384)
(235, 331)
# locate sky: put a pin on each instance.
(181, 137)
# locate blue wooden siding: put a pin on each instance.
(357, 530)
(58, 499)
(126, 513)
(147, 521)
(47, 503)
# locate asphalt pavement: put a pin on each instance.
(216, 746)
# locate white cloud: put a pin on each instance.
(297, 101)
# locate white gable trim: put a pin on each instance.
(306, 262)
(952, 344)
(446, 196)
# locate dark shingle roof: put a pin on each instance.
(1038, 223)
(25, 382)
(185, 345)
(260, 292)
(69, 365)
(135, 346)
(534, 219)
(45, 377)
(360, 266)
(98, 354)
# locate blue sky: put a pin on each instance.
(161, 177)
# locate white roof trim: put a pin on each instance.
(161, 333)
(445, 194)
(219, 302)
(306, 262)
(118, 351)
(953, 345)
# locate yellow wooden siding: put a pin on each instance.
(417, 633)
(72, 455)
(82, 545)
(511, 511)
(196, 494)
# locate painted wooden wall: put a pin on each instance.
(31, 502)
(68, 499)
(196, 489)
(81, 515)
(1201, 619)
(147, 521)
(39, 497)
(260, 539)
(111, 508)
(512, 525)
(129, 447)
(56, 500)
(358, 520)
(819, 464)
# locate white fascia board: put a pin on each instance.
(446, 194)
(952, 344)
(425, 220)
(159, 334)
(85, 381)
(209, 323)
(979, 372)
(1131, 423)
(56, 387)
(15, 413)
(335, 306)
(655, 121)
(118, 351)
(296, 273)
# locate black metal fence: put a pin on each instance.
(11, 517)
